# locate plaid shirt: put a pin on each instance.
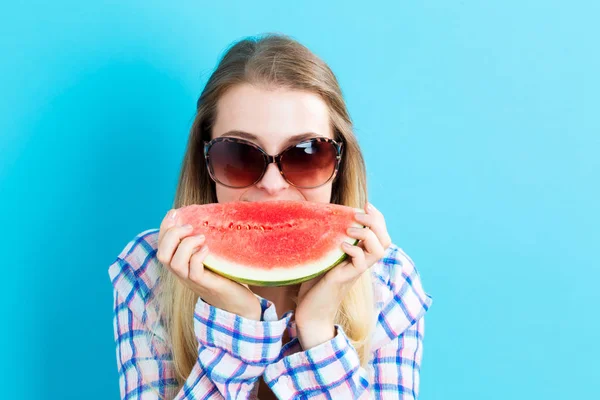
(234, 352)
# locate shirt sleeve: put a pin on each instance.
(323, 372)
(232, 351)
(332, 369)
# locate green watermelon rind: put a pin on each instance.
(281, 282)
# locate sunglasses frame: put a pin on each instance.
(268, 159)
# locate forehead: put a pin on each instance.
(274, 116)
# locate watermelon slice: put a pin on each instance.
(271, 243)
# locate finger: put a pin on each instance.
(379, 227)
(197, 273)
(168, 221)
(371, 209)
(376, 222)
(370, 241)
(180, 264)
(170, 241)
(358, 263)
(364, 219)
(205, 279)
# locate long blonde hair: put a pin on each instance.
(270, 60)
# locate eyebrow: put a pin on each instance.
(250, 136)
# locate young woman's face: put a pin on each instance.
(271, 119)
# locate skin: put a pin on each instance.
(273, 117)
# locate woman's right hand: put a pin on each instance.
(183, 255)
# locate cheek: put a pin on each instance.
(225, 194)
(318, 195)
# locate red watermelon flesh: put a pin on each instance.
(271, 243)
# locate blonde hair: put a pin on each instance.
(269, 60)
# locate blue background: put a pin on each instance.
(480, 126)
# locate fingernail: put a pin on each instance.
(200, 237)
(187, 226)
(370, 207)
(172, 214)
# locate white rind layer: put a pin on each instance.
(291, 273)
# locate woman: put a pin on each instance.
(185, 332)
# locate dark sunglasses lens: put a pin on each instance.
(235, 164)
(309, 164)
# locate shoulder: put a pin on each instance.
(135, 271)
(400, 298)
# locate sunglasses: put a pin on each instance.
(238, 163)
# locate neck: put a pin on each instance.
(284, 297)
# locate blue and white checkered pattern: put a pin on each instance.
(234, 352)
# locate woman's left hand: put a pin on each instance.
(320, 297)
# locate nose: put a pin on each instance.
(272, 181)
